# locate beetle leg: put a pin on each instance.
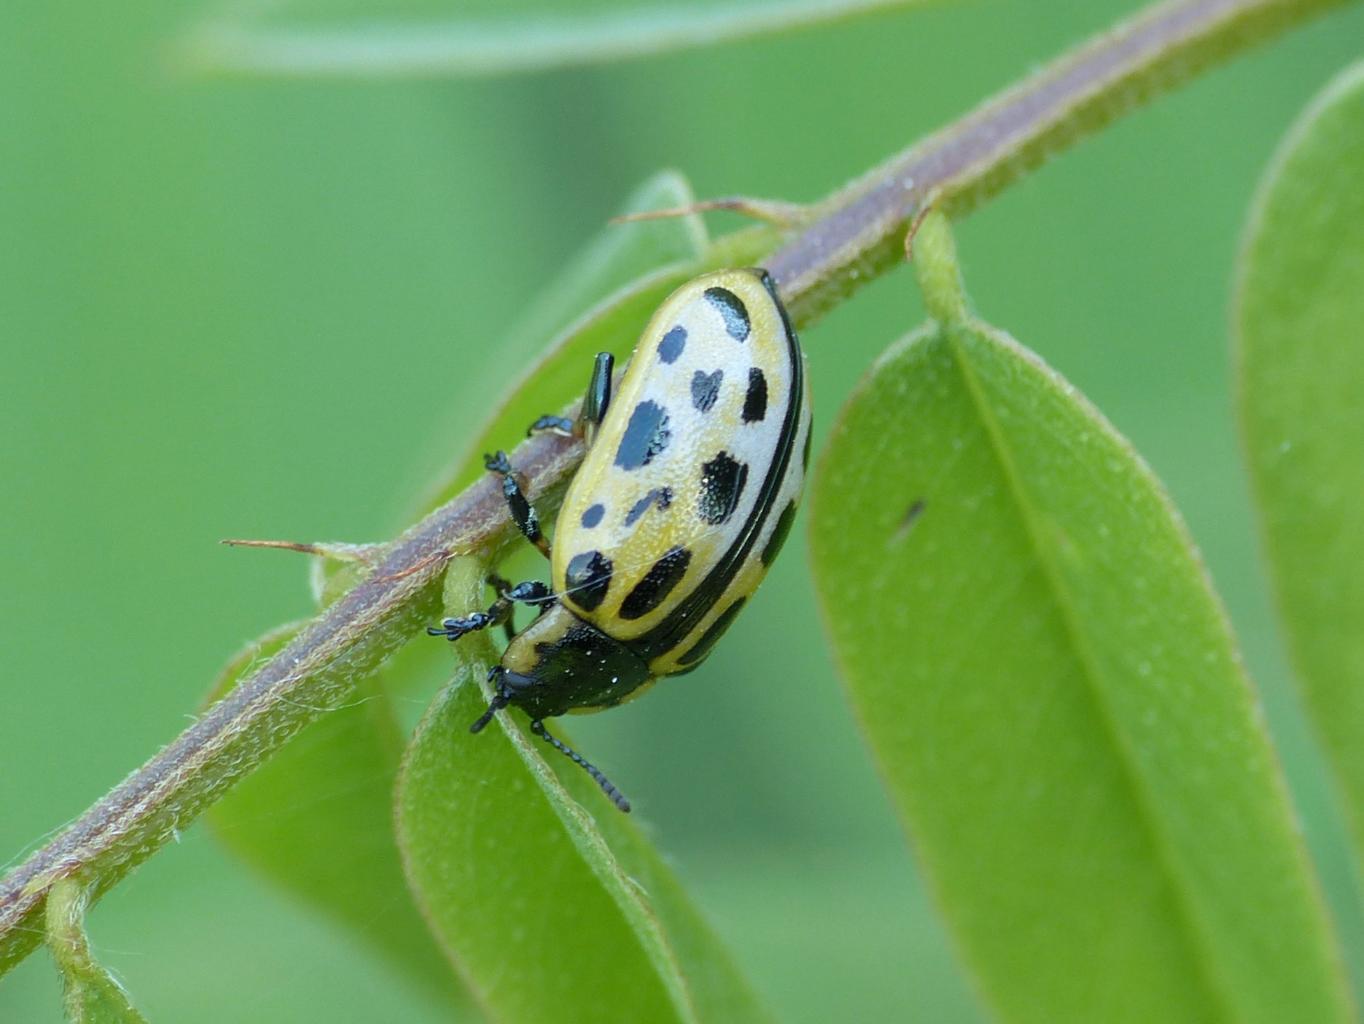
(617, 797)
(498, 613)
(502, 587)
(522, 511)
(531, 592)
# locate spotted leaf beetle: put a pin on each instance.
(689, 485)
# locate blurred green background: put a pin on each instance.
(234, 308)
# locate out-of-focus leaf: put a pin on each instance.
(89, 992)
(615, 257)
(599, 304)
(1054, 697)
(1300, 341)
(438, 38)
(548, 899)
(317, 819)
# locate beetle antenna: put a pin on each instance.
(500, 700)
(617, 797)
(494, 706)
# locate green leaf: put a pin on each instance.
(439, 38)
(548, 899)
(317, 819)
(1054, 697)
(1298, 313)
(599, 304)
(89, 993)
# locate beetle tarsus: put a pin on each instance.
(499, 613)
(453, 629)
(561, 425)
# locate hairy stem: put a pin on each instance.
(856, 236)
(964, 164)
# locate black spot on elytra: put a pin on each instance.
(732, 309)
(662, 495)
(722, 482)
(805, 453)
(656, 584)
(755, 401)
(645, 436)
(713, 633)
(672, 344)
(779, 532)
(587, 579)
(592, 515)
(705, 388)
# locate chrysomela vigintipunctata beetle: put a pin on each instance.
(690, 482)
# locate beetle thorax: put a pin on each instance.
(561, 663)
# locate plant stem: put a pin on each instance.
(857, 236)
(959, 167)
